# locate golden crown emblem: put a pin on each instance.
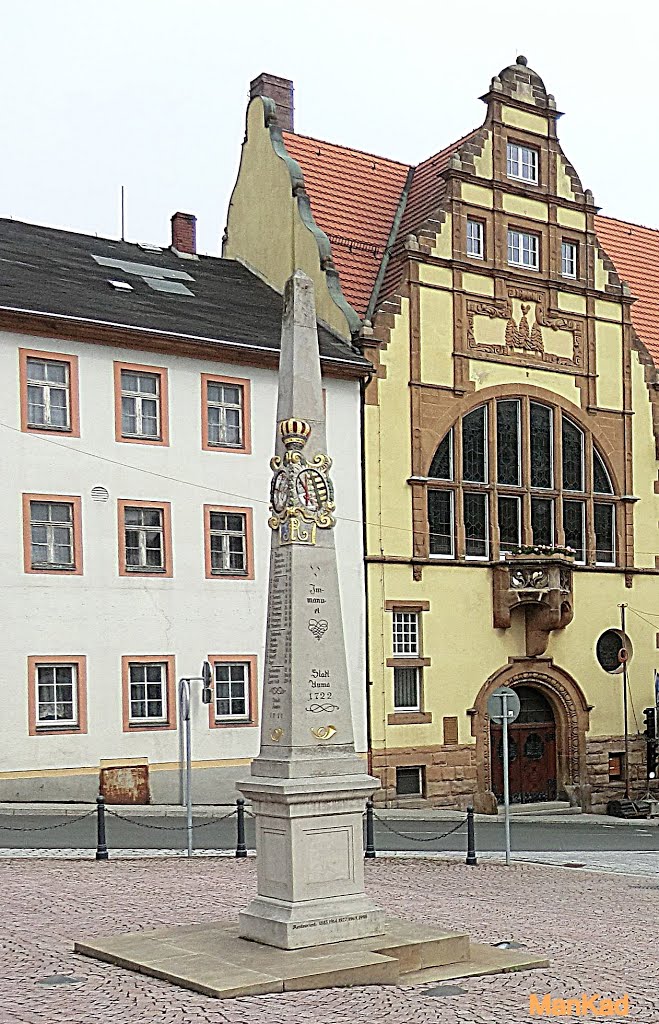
(294, 433)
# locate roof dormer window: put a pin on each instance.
(522, 163)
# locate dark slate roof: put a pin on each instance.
(46, 270)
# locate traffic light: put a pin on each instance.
(650, 716)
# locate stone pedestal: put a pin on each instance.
(310, 862)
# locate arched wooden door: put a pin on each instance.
(532, 751)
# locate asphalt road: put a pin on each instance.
(32, 832)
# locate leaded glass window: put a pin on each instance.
(508, 461)
(572, 457)
(542, 520)
(549, 486)
(442, 464)
(604, 522)
(474, 456)
(475, 519)
(509, 523)
(440, 521)
(601, 479)
(573, 525)
(541, 446)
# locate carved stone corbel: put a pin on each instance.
(542, 586)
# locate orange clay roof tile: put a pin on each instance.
(634, 251)
(355, 196)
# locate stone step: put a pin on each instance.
(483, 959)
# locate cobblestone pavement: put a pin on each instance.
(600, 932)
(627, 862)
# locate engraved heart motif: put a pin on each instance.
(276, 735)
(318, 627)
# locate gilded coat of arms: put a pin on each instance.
(301, 492)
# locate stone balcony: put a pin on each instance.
(540, 584)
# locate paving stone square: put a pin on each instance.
(599, 931)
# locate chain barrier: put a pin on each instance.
(415, 836)
(46, 828)
(167, 828)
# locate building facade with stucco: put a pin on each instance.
(510, 439)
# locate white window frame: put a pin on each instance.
(522, 163)
(475, 238)
(406, 634)
(486, 557)
(524, 243)
(140, 719)
(552, 430)
(142, 530)
(569, 256)
(614, 524)
(138, 397)
(227, 569)
(46, 387)
(539, 494)
(416, 706)
(451, 493)
(579, 500)
(246, 683)
(421, 776)
(57, 723)
(51, 526)
(518, 499)
(223, 406)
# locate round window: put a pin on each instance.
(609, 650)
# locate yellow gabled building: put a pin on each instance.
(510, 439)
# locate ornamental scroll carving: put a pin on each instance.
(523, 337)
(542, 588)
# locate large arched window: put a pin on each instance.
(513, 473)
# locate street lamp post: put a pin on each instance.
(186, 720)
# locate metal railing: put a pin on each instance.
(101, 811)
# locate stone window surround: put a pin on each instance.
(143, 725)
(243, 382)
(163, 397)
(73, 430)
(525, 395)
(420, 717)
(252, 696)
(64, 499)
(165, 507)
(249, 543)
(80, 663)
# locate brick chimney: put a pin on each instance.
(281, 91)
(184, 233)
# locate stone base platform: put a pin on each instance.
(213, 960)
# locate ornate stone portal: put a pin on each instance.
(308, 786)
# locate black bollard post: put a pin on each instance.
(241, 849)
(101, 845)
(471, 838)
(369, 853)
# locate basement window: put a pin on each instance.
(409, 781)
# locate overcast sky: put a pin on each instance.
(152, 94)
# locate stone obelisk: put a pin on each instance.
(307, 785)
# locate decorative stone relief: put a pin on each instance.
(527, 331)
(542, 586)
